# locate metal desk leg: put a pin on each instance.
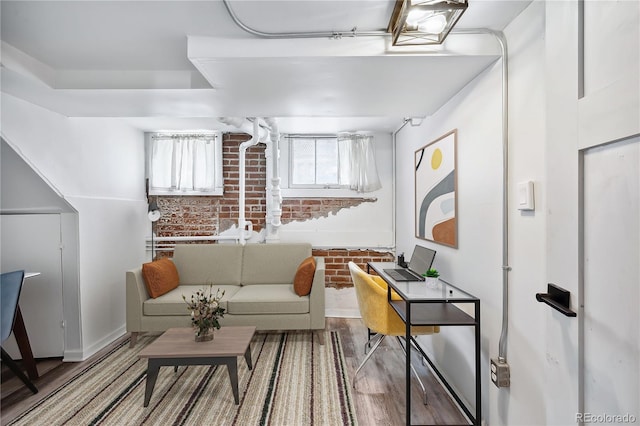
(408, 363)
(22, 339)
(478, 418)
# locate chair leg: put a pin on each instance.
(366, 358)
(367, 345)
(18, 372)
(370, 335)
(415, 373)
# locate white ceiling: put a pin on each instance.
(180, 64)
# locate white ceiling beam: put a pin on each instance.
(217, 47)
(19, 62)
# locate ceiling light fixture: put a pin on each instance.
(420, 22)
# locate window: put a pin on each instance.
(345, 161)
(315, 162)
(184, 163)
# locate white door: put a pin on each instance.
(608, 120)
(32, 242)
(593, 105)
(612, 282)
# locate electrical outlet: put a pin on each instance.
(500, 374)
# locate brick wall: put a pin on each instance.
(189, 216)
(336, 260)
(204, 215)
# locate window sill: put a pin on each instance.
(214, 193)
(321, 193)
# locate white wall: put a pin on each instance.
(79, 156)
(97, 165)
(522, 403)
(22, 190)
(476, 265)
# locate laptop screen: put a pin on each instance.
(421, 259)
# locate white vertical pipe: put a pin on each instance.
(272, 187)
(502, 344)
(274, 195)
(268, 153)
(245, 233)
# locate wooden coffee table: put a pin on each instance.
(177, 347)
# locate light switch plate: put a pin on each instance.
(525, 196)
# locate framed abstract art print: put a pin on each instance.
(436, 206)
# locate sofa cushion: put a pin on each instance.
(267, 299)
(304, 276)
(172, 303)
(160, 277)
(217, 264)
(272, 263)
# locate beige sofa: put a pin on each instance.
(258, 284)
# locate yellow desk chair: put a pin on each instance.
(378, 315)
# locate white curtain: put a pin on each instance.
(183, 163)
(358, 162)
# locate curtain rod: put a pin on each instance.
(311, 136)
(323, 136)
(183, 135)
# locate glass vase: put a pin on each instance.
(204, 335)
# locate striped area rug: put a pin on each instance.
(295, 381)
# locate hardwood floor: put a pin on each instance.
(378, 394)
(380, 386)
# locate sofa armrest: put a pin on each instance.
(317, 296)
(136, 295)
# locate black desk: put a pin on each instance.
(422, 305)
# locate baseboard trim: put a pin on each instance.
(85, 353)
(72, 355)
(342, 313)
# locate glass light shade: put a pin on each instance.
(433, 25)
(416, 16)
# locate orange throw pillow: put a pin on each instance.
(160, 277)
(304, 276)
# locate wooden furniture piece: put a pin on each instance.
(445, 305)
(176, 347)
(10, 287)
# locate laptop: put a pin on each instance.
(421, 260)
